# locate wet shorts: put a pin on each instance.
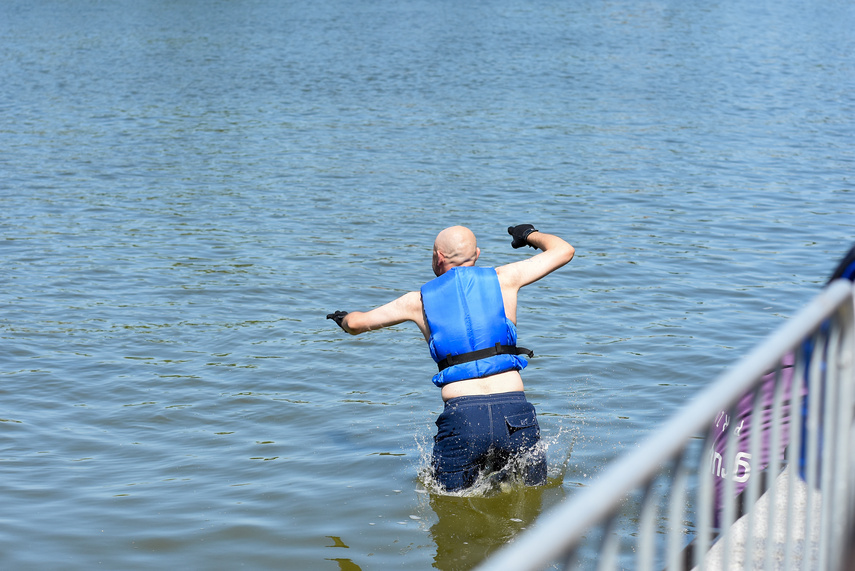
(481, 433)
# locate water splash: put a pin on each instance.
(495, 480)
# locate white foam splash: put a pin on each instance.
(557, 447)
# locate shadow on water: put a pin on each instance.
(343, 563)
(471, 525)
(469, 528)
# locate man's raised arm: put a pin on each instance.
(556, 253)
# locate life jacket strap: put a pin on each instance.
(498, 349)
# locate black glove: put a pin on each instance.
(338, 317)
(520, 234)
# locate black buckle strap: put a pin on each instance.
(498, 349)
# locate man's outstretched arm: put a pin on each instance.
(408, 307)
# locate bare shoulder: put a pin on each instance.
(412, 301)
(511, 275)
(408, 307)
(412, 304)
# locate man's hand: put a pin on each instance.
(338, 317)
(520, 234)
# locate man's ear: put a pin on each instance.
(438, 260)
(477, 253)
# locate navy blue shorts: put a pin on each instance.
(483, 433)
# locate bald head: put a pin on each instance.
(454, 247)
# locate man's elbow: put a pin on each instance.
(567, 253)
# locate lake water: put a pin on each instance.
(189, 187)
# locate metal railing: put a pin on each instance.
(758, 471)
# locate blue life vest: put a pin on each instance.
(470, 336)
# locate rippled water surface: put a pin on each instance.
(189, 187)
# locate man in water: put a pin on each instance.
(468, 317)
